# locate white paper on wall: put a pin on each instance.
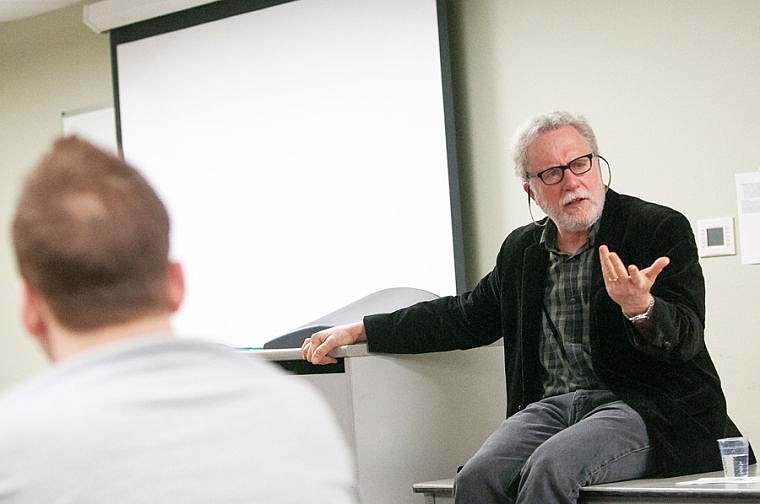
(748, 200)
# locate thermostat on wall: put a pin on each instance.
(716, 237)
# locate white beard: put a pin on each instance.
(577, 220)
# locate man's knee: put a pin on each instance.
(482, 476)
(554, 464)
(471, 474)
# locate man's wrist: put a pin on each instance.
(645, 315)
(358, 332)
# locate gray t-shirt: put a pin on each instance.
(164, 420)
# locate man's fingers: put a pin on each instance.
(316, 348)
(657, 267)
(613, 268)
(320, 352)
(653, 271)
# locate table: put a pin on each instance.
(408, 418)
(641, 491)
(668, 490)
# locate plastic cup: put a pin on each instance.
(735, 455)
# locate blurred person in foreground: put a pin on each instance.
(601, 308)
(128, 413)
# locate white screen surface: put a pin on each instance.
(301, 152)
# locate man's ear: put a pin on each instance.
(34, 312)
(175, 286)
(526, 188)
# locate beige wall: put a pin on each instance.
(670, 86)
(48, 64)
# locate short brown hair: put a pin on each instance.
(92, 237)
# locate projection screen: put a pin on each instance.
(305, 152)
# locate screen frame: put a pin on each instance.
(226, 8)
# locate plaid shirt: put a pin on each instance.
(566, 356)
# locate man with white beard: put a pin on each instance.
(601, 308)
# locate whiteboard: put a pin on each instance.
(301, 151)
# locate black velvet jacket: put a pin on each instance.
(671, 382)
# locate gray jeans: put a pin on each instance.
(548, 451)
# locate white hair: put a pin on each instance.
(527, 133)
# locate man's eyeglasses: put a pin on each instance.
(555, 174)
